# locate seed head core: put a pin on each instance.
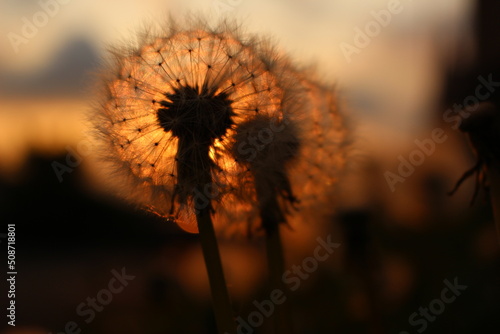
(194, 114)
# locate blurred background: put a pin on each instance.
(397, 245)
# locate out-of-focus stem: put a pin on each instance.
(276, 267)
(494, 178)
(270, 212)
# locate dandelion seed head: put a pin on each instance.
(191, 89)
(277, 145)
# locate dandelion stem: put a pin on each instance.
(272, 217)
(276, 265)
(220, 296)
(272, 185)
(199, 162)
(494, 178)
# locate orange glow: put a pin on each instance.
(188, 227)
(186, 223)
(142, 156)
(47, 126)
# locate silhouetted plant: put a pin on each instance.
(483, 129)
(179, 115)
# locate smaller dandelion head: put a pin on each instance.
(276, 144)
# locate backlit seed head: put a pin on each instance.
(185, 91)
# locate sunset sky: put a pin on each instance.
(392, 87)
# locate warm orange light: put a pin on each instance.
(256, 81)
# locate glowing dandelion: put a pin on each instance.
(170, 111)
(199, 123)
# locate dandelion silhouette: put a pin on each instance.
(170, 111)
(271, 184)
(483, 128)
(293, 162)
(175, 113)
